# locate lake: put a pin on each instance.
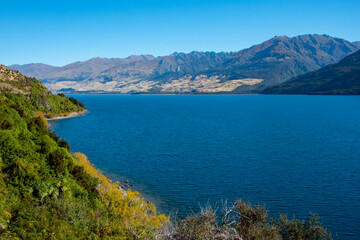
(295, 154)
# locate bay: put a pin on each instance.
(295, 154)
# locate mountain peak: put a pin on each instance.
(140, 57)
(357, 43)
(177, 53)
(96, 59)
(281, 37)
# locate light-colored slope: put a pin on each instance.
(186, 84)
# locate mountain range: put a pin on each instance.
(340, 78)
(247, 71)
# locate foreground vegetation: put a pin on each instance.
(46, 192)
(243, 221)
(49, 193)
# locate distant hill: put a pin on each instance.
(34, 69)
(339, 78)
(282, 58)
(31, 90)
(246, 71)
(76, 71)
(15, 82)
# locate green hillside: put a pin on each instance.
(46, 192)
(33, 95)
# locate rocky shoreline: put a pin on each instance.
(71, 115)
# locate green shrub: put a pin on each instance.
(10, 149)
(203, 225)
(76, 102)
(20, 109)
(64, 144)
(44, 147)
(246, 222)
(58, 161)
(310, 228)
(54, 136)
(6, 124)
(253, 222)
(85, 180)
(25, 173)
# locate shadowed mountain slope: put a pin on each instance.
(340, 78)
(282, 58)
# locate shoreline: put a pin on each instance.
(71, 115)
(123, 183)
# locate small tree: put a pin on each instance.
(58, 161)
(310, 228)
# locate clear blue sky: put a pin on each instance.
(61, 32)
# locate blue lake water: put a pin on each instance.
(295, 154)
